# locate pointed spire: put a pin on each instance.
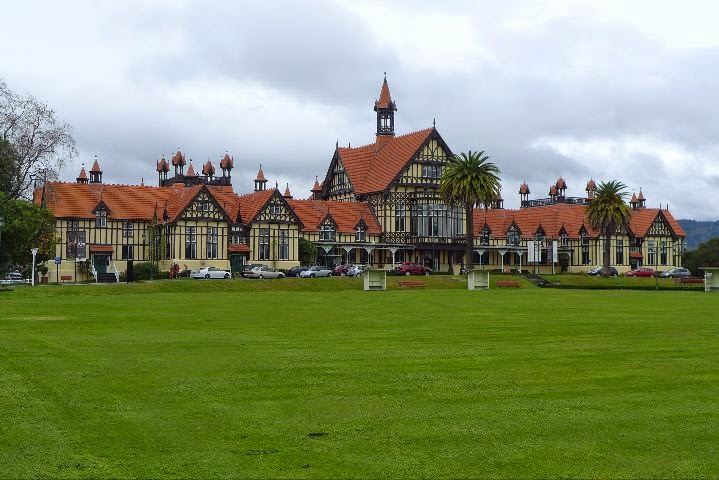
(95, 166)
(82, 177)
(287, 194)
(95, 172)
(208, 169)
(385, 99)
(190, 170)
(227, 162)
(260, 175)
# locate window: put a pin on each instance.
(431, 171)
(190, 242)
(212, 242)
(513, 236)
(360, 233)
(284, 244)
(205, 206)
(100, 219)
(127, 252)
(585, 249)
(276, 209)
(237, 235)
(484, 236)
(75, 243)
(328, 232)
(436, 220)
(620, 252)
(399, 218)
(663, 253)
(564, 239)
(264, 253)
(127, 229)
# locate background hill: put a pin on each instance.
(699, 231)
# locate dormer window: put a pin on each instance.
(237, 235)
(276, 209)
(513, 236)
(101, 219)
(484, 236)
(564, 239)
(360, 233)
(328, 232)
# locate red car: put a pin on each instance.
(641, 272)
(408, 268)
(340, 270)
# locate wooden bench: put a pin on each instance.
(689, 280)
(410, 284)
(507, 284)
(65, 278)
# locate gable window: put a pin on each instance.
(564, 239)
(127, 252)
(276, 209)
(360, 233)
(284, 244)
(127, 229)
(264, 250)
(212, 242)
(431, 171)
(190, 242)
(328, 232)
(513, 236)
(620, 252)
(205, 206)
(399, 218)
(101, 219)
(484, 236)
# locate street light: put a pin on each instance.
(2, 224)
(34, 253)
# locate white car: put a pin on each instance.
(316, 271)
(210, 272)
(263, 272)
(356, 270)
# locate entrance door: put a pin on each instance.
(236, 262)
(100, 263)
(563, 263)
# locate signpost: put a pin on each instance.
(555, 254)
(58, 260)
(34, 254)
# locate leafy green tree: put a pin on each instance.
(608, 213)
(705, 255)
(470, 179)
(308, 252)
(27, 226)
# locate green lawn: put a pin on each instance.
(261, 379)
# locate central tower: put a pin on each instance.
(385, 109)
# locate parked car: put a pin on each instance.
(641, 272)
(316, 271)
(295, 271)
(340, 270)
(356, 270)
(263, 272)
(598, 271)
(676, 273)
(209, 272)
(249, 267)
(409, 268)
(12, 278)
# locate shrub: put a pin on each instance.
(146, 270)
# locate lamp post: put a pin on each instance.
(34, 253)
(2, 224)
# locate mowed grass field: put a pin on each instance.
(266, 380)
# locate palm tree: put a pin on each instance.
(607, 212)
(468, 180)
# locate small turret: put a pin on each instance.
(524, 194)
(226, 164)
(287, 193)
(316, 190)
(82, 178)
(385, 108)
(95, 172)
(591, 188)
(260, 181)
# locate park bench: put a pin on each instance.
(689, 280)
(65, 278)
(507, 284)
(410, 284)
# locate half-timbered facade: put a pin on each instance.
(377, 204)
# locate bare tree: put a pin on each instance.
(42, 143)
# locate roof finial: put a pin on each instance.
(385, 76)
(337, 143)
(276, 184)
(434, 122)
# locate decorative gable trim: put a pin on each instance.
(327, 219)
(101, 206)
(276, 195)
(183, 212)
(432, 136)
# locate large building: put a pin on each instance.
(378, 204)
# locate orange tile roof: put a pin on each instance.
(260, 175)
(372, 167)
(178, 159)
(162, 165)
(227, 161)
(208, 168)
(95, 167)
(83, 175)
(643, 218)
(345, 214)
(101, 248)
(251, 203)
(190, 171)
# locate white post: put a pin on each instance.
(34, 253)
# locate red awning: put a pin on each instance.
(241, 248)
(101, 248)
(636, 255)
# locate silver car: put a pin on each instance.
(264, 272)
(209, 272)
(316, 271)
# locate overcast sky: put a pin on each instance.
(603, 89)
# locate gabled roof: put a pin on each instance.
(252, 203)
(643, 218)
(550, 217)
(345, 214)
(372, 168)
